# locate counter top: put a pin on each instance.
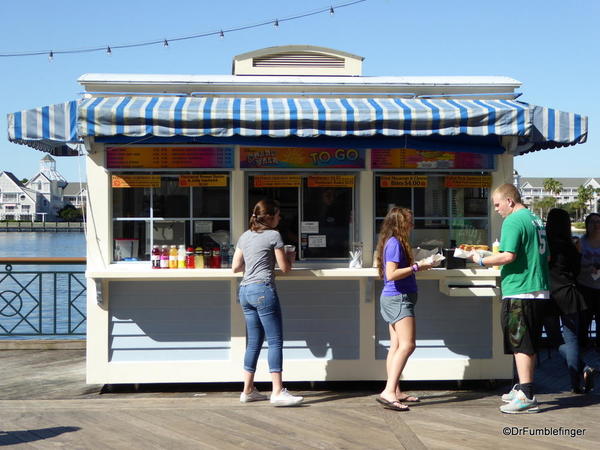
(138, 271)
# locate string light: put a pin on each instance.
(50, 56)
(165, 42)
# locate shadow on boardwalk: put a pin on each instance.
(44, 402)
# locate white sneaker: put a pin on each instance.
(284, 398)
(253, 396)
(520, 404)
(507, 398)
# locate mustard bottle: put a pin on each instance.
(495, 250)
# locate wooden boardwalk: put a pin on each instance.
(45, 403)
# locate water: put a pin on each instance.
(22, 288)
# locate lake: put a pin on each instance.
(27, 297)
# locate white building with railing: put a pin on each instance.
(41, 197)
(532, 189)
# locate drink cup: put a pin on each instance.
(290, 251)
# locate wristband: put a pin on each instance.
(415, 267)
(481, 262)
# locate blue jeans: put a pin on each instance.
(570, 349)
(262, 312)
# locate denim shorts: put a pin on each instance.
(397, 307)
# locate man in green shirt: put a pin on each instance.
(525, 288)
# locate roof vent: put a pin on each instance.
(298, 60)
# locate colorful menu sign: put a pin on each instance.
(330, 181)
(468, 181)
(408, 158)
(210, 180)
(136, 181)
(270, 181)
(300, 158)
(403, 181)
(169, 157)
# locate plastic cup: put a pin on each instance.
(290, 250)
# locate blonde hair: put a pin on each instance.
(396, 224)
(508, 190)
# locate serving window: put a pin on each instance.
(317, 211)
(168, 209)
(448, 209)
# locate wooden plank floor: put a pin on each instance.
(45, 403)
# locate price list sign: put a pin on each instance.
(213, 180)
(403, 181)
(135, 181)
(169, 158)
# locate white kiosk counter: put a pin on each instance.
(180, 160)
(158, 326)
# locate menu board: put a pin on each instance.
(269, 181)
(408, 158)
(300, 158)
(403, 181)
(136, 181)
(468, 181)
(214, 180)
(331, 181)
(169, 157)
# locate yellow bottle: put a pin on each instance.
(496, 249)
(199, 258)
(173, 257)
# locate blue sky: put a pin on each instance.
(551, 46)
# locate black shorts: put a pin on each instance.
(522, 322)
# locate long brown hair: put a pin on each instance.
(263, 214)
(396, 224)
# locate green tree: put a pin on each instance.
(585, 195)
(70, 214)
(24, 180)
(553, 186)
(544, 205)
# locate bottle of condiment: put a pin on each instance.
(207, 258)
(181, 257)
(225, 263)
(164, 257)
(173, 257)
(189, 258)
(496, 249)
(216, 258)
(155, 257)
(199, 258)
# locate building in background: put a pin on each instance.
(532, 189)
(41, 197)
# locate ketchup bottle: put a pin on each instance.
(189, 258)
(216, 258)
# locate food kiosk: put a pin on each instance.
(180, 160)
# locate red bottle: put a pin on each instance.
(155, 257)
(189, 258)
(216, 258)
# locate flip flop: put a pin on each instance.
(409, 399)
(394, 406)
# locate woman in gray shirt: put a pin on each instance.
(255, 255)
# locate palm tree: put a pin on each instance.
(585, 194)
(553, 186)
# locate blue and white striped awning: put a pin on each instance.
(48, 128)
(197, 117)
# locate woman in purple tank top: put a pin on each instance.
(398, 298)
